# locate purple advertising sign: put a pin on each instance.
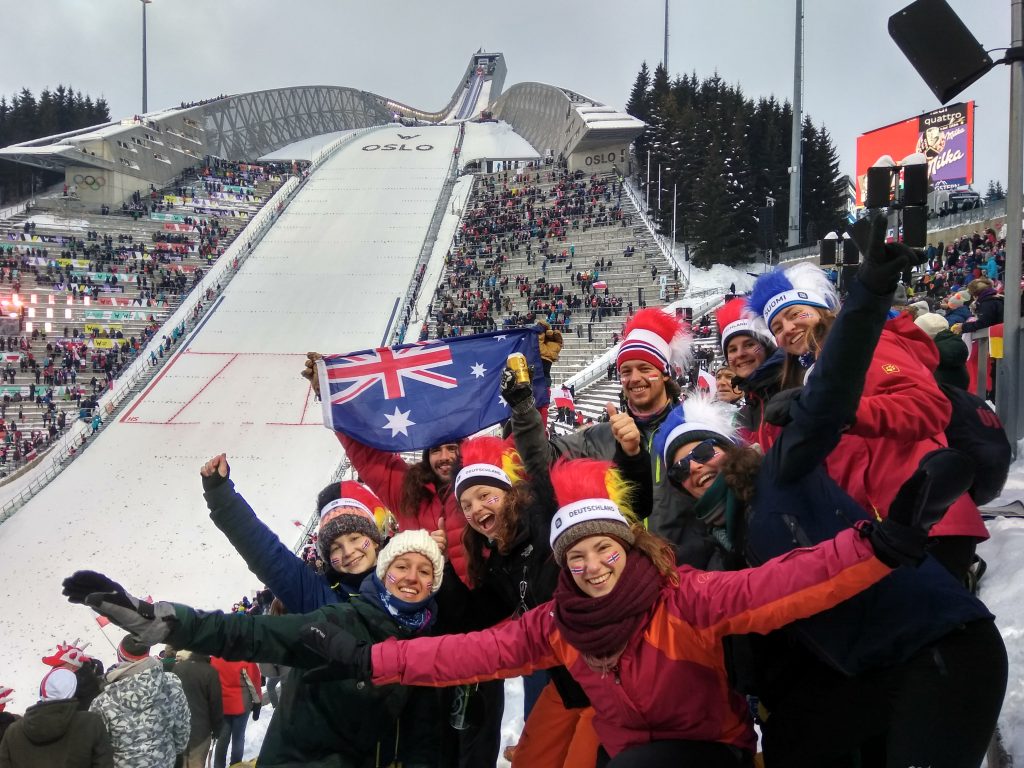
(946, 137)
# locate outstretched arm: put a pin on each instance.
(509, 650)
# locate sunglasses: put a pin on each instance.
(703, 452)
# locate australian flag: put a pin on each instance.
(413, 396)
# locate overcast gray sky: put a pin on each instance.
(856, 78)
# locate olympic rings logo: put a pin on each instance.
(92, 182)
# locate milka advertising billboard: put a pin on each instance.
(945, 136)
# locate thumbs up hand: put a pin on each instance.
(624, 429)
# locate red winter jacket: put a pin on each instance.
(902, 416)
(231, 683)
(384, 474)
(678, 650)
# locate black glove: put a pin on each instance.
(256, 712)
(884, 263)
(152, 623)
(515, 392)
(347, 657)
(942, 477)
(776, 410)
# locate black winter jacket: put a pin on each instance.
(332, 724)
(56, 733)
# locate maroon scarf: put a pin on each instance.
(600, 627)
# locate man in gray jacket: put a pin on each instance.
(654, 343)
(144, 709)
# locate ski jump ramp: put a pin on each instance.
(325, 277)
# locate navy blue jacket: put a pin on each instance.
(293, 582)
(797, 504)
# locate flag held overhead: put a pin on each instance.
(413, 396)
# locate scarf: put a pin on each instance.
(717, 510)
(600, 627)
(413, 616)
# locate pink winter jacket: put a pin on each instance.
(670, 682)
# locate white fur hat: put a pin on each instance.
(412, 541)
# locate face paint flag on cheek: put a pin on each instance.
(391, 579)
(614, 558)
(365, 544)
(576, 569)
(492, 500)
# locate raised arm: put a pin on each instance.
(828, 402)
(274, 564)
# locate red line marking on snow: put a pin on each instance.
(202, 388)
(164, 423)
(252, 354)
(291, 424)
(305, 405)
(152, 384)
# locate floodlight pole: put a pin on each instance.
(796, 150)
(1010, 370)
(665, 59)
(145, 99)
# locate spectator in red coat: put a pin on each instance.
(240, 698)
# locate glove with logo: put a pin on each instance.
(550, 343)
(347, 657)
(942, 477)
(309, 372)
(514, 391)
(884, 263)
(152, 623)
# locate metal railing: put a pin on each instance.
(991, 210)
(666, 251)
(396, 333)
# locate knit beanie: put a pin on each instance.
(412, 541)
(699, 417)
(348, 507)
(132, 649)
(6, 696)
(956, 300)
(654, 336)
(57, 685)
(734, 320)
(591, 495)
(487, 461)
(919, 308)
(932, 324)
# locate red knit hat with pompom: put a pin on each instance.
(656, 337)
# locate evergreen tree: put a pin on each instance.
(727, 155)
(22, 118)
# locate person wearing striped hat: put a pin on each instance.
(654, 349)
(343, 509)
(751, 352)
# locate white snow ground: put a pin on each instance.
(495, 141)
(325, 277)
(307, 149)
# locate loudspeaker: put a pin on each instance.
(949, 66)
(827, 253)
(879, 187)
(850, 253)
(915, 226)
(915, 184)
(847, 274)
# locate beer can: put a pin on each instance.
(517, 364)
